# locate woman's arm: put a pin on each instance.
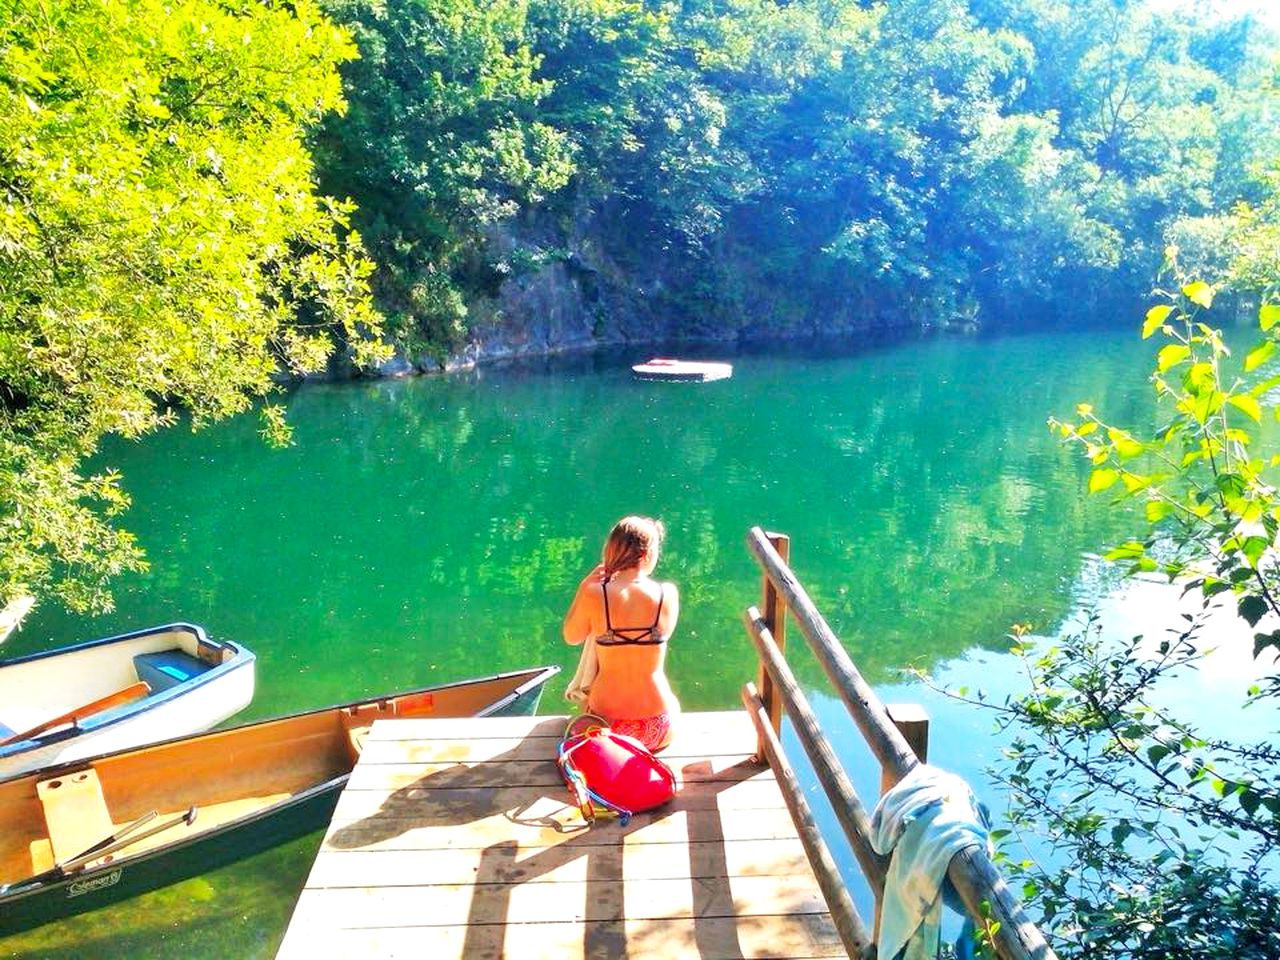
(577, 622)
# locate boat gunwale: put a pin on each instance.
(202, 639)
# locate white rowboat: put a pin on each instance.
(120, 692)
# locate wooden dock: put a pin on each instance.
(454, 838)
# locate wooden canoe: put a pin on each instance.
(118, 692)
(89, 833)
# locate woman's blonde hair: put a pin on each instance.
(630, 540)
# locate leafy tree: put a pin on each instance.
(442, 138)
(162, 248)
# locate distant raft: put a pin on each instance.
(687, 371)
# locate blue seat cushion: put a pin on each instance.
(167, 668)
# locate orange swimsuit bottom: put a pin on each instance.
(654, 732)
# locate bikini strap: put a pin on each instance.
(604, 589)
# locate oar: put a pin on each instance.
(58, 871)
(76, 862)
(107, 841)
(131, 692)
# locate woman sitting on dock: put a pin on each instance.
(630, 616)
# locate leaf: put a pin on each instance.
(1156, 317)
(1200, 376)
(1129, 550)
(1200, 293)
(1248, 405)
(1263, 640)
(1133, 482)
(1157, 510)
(1252, 608)
(1172, 354)
(1126, 446)
(1253, 549)
(1102, 478)
(1250, 800)
(1259, 355)
(1269, 315)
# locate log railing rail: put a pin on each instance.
(986, 896)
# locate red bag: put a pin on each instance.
(615, 771)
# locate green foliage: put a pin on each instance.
(1211, 503)
(1165, 835)
(1170, 837)
(442, 138)
(928, 159)
(161, 249)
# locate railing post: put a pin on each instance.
(913, 722)
(774, 613)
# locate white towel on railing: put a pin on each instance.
(579, 688)
(923, 822)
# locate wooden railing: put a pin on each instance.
(898, 743)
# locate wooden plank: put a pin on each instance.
(587, 900)
(460, 804)
(853, 932)
(697, 743)
(775, 617)
(483, 773)
(695, 734)
(543, 827)
(859, 699)
(804, 937)
(504, 863)
(848, 808)
(466, 728)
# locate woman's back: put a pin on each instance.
(634, 619)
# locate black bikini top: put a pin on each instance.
(632, 636)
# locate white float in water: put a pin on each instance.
(692, 371)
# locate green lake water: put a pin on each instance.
(426, 530)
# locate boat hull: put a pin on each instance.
(305, 812)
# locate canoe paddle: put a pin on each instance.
(102, 848)
(129, 693)
(107, 841)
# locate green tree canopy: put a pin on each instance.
(162, 247)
